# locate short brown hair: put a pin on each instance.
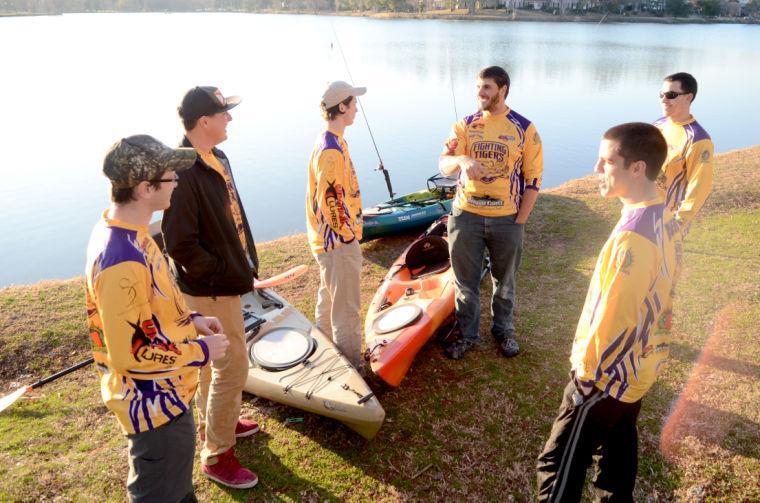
(331, 113)
(639, 141)
(687, 81)
(125, 195)
(498, 74)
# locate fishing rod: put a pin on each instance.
(10, 399)
(380, 166)
(451, 79)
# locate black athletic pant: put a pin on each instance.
(593, 427)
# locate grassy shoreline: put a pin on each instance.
(459, 15)
(465, 430)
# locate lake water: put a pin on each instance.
(71, 85)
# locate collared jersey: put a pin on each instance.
(687, 175)
(623, 336)
(509, 147)
(333, 199)
(143, 340)
(237, 215)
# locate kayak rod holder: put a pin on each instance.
(365, 398)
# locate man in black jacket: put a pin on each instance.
(214, 256)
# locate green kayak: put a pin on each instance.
(410, 211)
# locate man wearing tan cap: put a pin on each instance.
(334, 223)
(213, 253)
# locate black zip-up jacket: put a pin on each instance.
(201, 237)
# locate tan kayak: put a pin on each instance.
(293, 363)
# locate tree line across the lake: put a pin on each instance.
(675, 8)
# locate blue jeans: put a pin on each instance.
(469, 236)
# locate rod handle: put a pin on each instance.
(62, 373)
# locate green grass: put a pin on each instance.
(464, 430)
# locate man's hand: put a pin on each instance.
(472, 168)
(217, 345)
(207, 325)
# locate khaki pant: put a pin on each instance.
(339, 299)
(221, 384)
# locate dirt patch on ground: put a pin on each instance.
(42, 328)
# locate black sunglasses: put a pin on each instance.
(671, 95)
(164, 180)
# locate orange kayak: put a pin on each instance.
(413, 301)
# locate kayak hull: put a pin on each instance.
(325, 383)
(391, 354)
(405, 213)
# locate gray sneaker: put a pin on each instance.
(508, 344)
(457, 349)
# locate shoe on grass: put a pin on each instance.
(457, 349)
(229, 472)
(246, 428)
(508, 344)
(243, 428)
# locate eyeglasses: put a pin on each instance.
(671, 95)
(164, 180)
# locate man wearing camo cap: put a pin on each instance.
(145, 340)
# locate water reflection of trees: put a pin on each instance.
(443, 54)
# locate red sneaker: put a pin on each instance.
(243, 428)
(228, 472)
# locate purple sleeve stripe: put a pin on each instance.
(698, 131)
(204, 347)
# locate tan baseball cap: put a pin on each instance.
(338, 91)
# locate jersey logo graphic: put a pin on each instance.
(144, 338)
(666, 320)
(705, 156)
(625, 261)
(492, 155)
(485, 201)
(96, 336)
(334, 201)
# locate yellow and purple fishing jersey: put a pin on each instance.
(623, 336)
(333, 199)
(143, 340)
(237, 215)
(509, 147)
(687, 175)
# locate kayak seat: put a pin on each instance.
(438, 228)
(428, 255)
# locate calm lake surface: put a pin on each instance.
(73, 84)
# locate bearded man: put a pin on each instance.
(497, 155)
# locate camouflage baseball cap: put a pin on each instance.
(141, 158)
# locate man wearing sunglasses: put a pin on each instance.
(212, 249)
(687, 174)
(144, 337)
